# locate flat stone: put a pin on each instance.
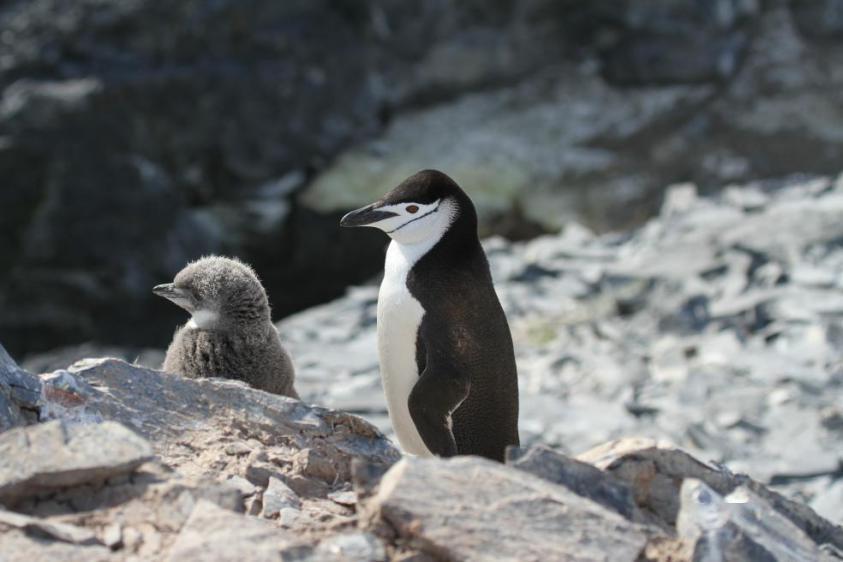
(344, 497)
(214, 534)
(278, 496)
(179, 415)
(54, 455)
(357, 546)
(581, 478)
(738, 527)
(59, 531)
(18, 389)
(468, 508)
(34, 549)
(656, 471)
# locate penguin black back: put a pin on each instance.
(465, 325)
(464, 392)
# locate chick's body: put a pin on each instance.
(254, 356)
(230, 334)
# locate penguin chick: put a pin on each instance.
(230, 333)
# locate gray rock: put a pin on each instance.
(278, 496)
(656, 472)
(581, 478)
(55, 530)
(496, 513)
(20, 393)
(172, 411)
(356, 546)
(54, 455)
(215, 534)
(33, 549)
(741, 526)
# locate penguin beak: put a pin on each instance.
(172, 293)
(369, 214)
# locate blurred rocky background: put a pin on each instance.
(136, 135)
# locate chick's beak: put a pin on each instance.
(167, 290)
(369, 214)
(172, 293)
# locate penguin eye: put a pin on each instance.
(412, 209)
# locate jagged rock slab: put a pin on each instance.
(19, 392)
(17, 546)
(468, 508)
(345, 547)
(581, 478)
(138, 516)
(56, 455)
(60, 531)
(656, 472)
(193, 423)
(214, 534)
(738, 527)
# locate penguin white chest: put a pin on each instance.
(399, 318)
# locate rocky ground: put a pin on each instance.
(107, 461)
(679, 394)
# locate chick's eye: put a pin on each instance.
(412, 209)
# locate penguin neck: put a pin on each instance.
(403, 257)
(203, 319)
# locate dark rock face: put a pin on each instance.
(135, 135)
(135, 131)
(20, 394)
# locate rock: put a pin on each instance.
(214, 440)
(647, 46)
(53, 455)
(112, 536)
(656, 473)
(496, 513)
(58, 531)
(278, 496)
(820, 19)
(215, 534)
(528, 172)
(20, 393)
(581, 478)
(739, 527)
(33, 549)
(357, 546)
(184, 417)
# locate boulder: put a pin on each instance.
(579, 477)
(469, 508)
(61, 531)
(20, 393)
(656, 473)
(193, 423)
(741, 526)
(43, 458)
(218, 535)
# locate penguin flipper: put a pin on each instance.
(435, 396)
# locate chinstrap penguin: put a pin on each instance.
(230, 333)
(446, 353)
